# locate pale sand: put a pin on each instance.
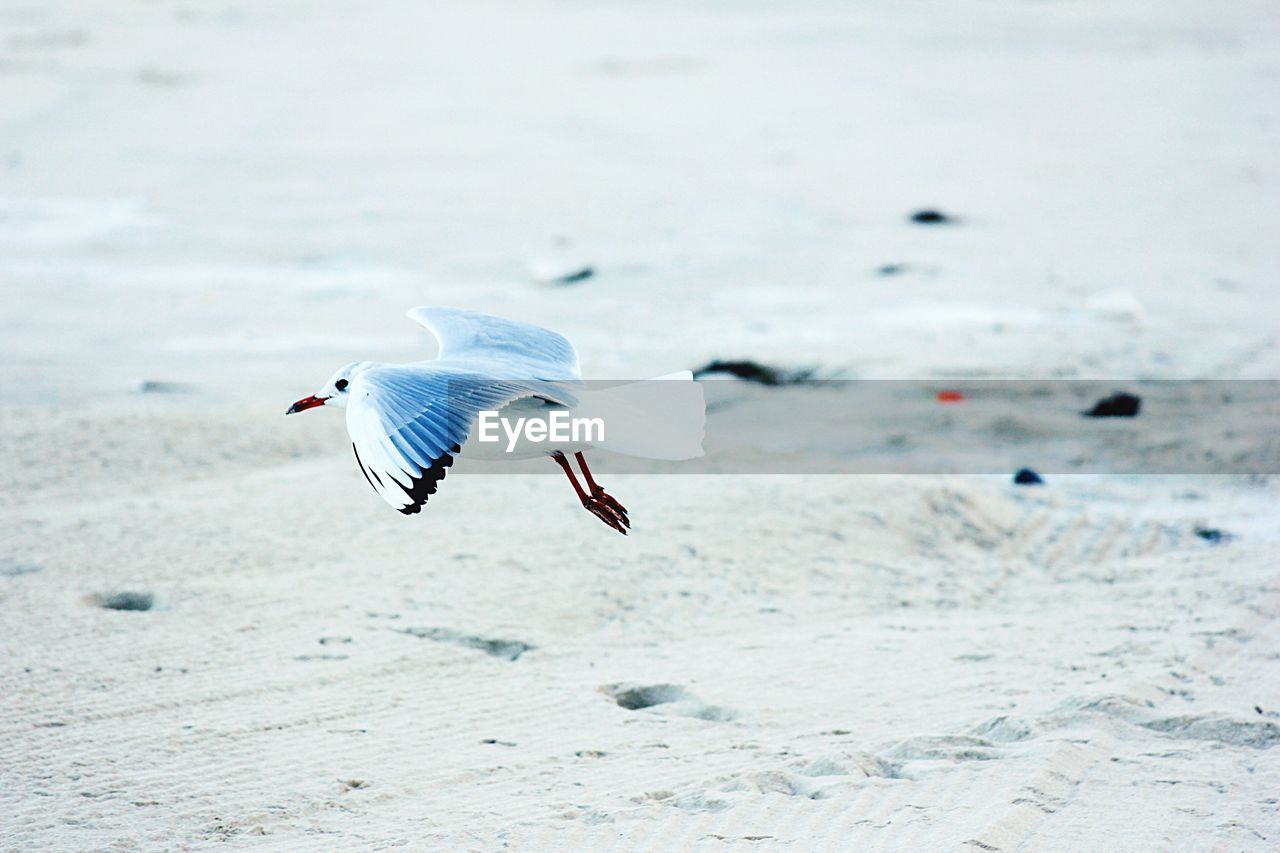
(240, 199)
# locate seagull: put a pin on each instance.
(407, 422)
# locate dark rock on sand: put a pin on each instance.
(1027, 477)
(1212, 535)
(753, 371)
(932, 217)
(574, 276)
(1116, 406)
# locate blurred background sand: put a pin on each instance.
(205, 208)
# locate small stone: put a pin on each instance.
(1027, 477)
(1116, 406)
(560, 268)
(754, 371)
(931, 217)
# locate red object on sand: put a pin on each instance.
(950, 397)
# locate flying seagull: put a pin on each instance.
(407, 422)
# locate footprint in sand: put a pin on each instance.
(124, 600)
(498, 648)
(672, 698)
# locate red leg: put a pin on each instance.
(586, 472)
(568, 472)
(596, 504)
(597, 491)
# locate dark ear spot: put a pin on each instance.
(341, 385)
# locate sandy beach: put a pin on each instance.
(213, 634)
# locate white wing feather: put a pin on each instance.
(499, 347)
(406, 422)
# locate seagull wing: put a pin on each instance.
(503, 347)
(406, 424)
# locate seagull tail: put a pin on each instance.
(660, 418)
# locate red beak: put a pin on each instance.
(306, 403)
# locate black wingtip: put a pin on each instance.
(424, 486)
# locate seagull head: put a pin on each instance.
(334, 392)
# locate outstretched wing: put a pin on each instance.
(517, 350)
(407, 423)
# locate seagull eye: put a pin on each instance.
(341, 385)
